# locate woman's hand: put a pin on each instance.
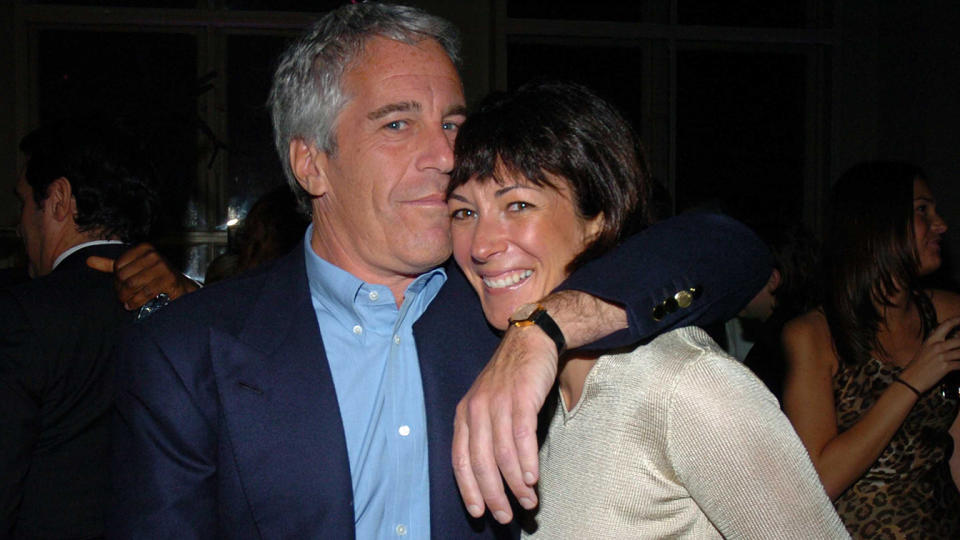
(937, 356)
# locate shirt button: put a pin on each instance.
(401, 530)
(374, 295)
(396, 339)
(358, 329)
(404, 431)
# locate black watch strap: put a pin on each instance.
(541, 318)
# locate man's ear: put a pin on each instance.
(309, 165)
(60, 202)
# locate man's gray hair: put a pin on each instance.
(307, 96)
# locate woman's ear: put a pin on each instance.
(309, 165)
(594, 228)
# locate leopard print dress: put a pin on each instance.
(908, 492)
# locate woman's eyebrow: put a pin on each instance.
(506, 189)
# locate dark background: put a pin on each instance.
(749, 107)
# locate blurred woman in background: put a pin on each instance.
(862, 383)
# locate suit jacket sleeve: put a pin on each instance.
(21, 381)
(162, 421)
(720, 262)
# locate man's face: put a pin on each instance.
(30, 227)
(384, 213)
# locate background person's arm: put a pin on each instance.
(141, 273)
(691, 269)
(842, 457)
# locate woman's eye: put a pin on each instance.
(462, 213)
(517, 206)
(921, 209)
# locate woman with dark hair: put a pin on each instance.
(861, 386)
(672, 438)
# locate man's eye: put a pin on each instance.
(396, 125)
(450, 126)
(462, 213)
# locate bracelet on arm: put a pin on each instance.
(896, 378)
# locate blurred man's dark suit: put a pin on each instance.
(57, 334)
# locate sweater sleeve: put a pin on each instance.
(740, 459)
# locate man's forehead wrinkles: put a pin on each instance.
(402, 106)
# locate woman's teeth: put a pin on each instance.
(508, 280)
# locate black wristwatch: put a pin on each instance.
(530, 314)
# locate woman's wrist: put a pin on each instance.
(909, 386)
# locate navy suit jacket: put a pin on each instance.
(228, 424)
(57, 335)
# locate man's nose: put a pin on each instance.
(437, 150)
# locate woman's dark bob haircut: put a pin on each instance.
(564, 130)
(869, 252)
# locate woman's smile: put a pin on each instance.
(506, 279)
(514, 239)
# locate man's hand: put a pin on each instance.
(495, 429)
(496, 424)
(140, 274)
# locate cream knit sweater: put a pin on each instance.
(677, 439)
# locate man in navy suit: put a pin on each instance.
(315, 397)
(84, 191)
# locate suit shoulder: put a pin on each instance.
(227, 304)
(67, 293)
(213, 305)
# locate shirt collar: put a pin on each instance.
(336, 289)
(78, 247)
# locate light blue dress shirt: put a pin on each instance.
(373, 358)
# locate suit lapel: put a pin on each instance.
(280, 410)
(453, 344)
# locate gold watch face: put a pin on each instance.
(522, 315)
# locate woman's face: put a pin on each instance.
(515, 240)
(928, 227)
